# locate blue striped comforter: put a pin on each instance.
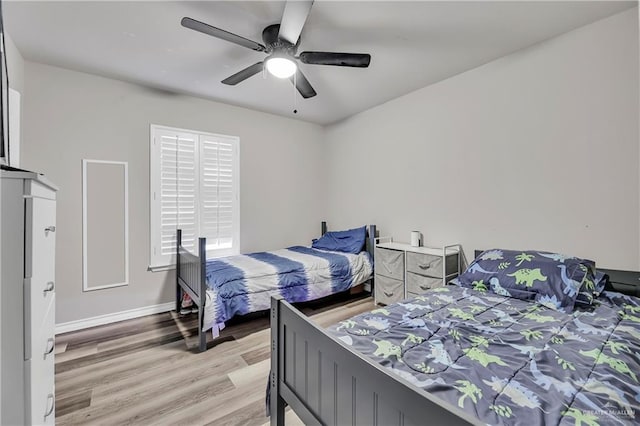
(241, 284)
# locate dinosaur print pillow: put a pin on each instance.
(550, 279)
(592, 289)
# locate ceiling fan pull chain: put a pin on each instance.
(295, 90)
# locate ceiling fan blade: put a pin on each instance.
(243, 75)
(360, 60)
(221, 34)
(293, 19)
(303, 85)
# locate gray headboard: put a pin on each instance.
(625, 282)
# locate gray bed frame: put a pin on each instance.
(190, 278)
(191, 275)
(325, 382)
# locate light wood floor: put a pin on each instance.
(146, 371)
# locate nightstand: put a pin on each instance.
(402, 270)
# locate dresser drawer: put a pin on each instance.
(36, 305)
(389, 263)
(428, 264)
(40, 372)
(43, 336)
(388, 290)
(37, 189)
(40, 238)
(40, 391)
(418, 284)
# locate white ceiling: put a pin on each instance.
(412, 44)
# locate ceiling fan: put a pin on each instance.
(281, 43)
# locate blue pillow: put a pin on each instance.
(350, 241)
(551, 279)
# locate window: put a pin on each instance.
(195, 187)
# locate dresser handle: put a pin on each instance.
(53, 405)
(51, 345)
(425, 287)
(50, 286)
(50, 229)
(423, 266)
(387, 294)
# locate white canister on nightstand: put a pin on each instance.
(416, 238)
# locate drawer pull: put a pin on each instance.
(52, 400)
(425, 287)
(387, 294)
(49, 287)
(424, 266)
(50, 229)
(51, 345)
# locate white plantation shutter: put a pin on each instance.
(194, 187)
(218, 191)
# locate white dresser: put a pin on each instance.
(27, 298)
(402, 270)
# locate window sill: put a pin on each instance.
(161, 268)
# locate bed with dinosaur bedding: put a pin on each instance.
(519, 338)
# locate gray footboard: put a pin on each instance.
(190, 278)
(325, 382)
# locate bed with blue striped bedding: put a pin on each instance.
(241, 284)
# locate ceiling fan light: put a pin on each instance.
(281, 67)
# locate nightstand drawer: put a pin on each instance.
(419, 283)
(389, 263)
(388, 290)
(427, 264)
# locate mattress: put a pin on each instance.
(509, 361)
(238, 285)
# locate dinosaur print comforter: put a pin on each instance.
(509, 361)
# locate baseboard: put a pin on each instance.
(66, 327)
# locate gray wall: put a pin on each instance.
(73, 115)
(538, 149)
